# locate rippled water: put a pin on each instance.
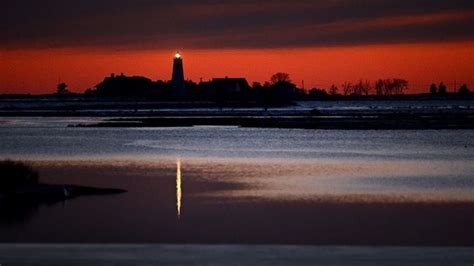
(290, 161)
(230, 177)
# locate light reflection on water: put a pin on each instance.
(348, 180)
(249, 201)
(263, 163)
(248, 185)
(178, 187)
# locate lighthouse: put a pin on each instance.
(177, 79)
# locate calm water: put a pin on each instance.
(242, 185)
(59, 105)
(98, 255)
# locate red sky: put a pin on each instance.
(321, 42)
(38, 70)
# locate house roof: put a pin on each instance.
(242, 82)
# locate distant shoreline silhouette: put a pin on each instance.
(227, 91)
(279, 90)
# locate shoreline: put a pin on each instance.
(368, 121)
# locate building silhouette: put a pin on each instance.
(229, 90)
(177, 79)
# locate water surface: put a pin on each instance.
(246, 185)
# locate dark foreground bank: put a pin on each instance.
(53, 193)
(21, 201)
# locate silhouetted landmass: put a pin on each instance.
(21, 193)
(222, 91)
(231, 90)
(124, 86)
(314, 120)
(278, 91)
(120, 95)
(16, 174)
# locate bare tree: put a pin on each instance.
(363, 88)
(280, 77)
(380, 87)
(357, 89)
(62, 88)
(399, 86)
(333, 90)
(347, 87)
(390, 86)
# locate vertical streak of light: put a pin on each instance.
(178, 187)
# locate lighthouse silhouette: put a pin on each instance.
(177, 79)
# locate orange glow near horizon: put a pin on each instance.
(39, 71)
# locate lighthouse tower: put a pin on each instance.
(177, 79)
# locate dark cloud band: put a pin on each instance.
(146, 24)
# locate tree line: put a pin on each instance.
(278, 89)
(381, 87)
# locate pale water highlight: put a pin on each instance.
(178, 188)
(247, 185)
